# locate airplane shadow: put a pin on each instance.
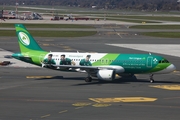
(61, 78)
(123, 80)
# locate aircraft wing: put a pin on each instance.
(118, 69)
(81, 67)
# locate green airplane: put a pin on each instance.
(104, 66)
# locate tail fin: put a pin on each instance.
(25, 40)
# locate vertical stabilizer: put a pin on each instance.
(25, 40)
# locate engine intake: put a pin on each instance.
(107, 75)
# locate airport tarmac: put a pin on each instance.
(33, 94)
(38, 93)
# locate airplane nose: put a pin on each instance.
(168, 69)
(171, 68)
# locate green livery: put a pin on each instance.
(67, 61)
(101, 65)
(31, 52)
(83, 62)
(46, 61)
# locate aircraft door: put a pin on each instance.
(149, 61)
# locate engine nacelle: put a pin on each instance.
(108, 75)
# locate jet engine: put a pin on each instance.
(108, 75)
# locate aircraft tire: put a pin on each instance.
(88, 79)
(151, 81)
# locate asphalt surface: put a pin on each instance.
(105, 29)
(25, 94)
(37, 93)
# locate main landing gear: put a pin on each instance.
(88, 79)
(151, 78)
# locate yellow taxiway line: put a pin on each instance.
(123, 99)
(39, 76)
(167, 87)
(45, 116)
(101, 105)
(63, 111)
(81, 104)
(45, 44)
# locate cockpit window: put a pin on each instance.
(163, 61)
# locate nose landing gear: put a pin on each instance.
(151, 78)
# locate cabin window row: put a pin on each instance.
(139, 61)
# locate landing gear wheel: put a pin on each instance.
(151, 78)
(151, 81)
(88, 79)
